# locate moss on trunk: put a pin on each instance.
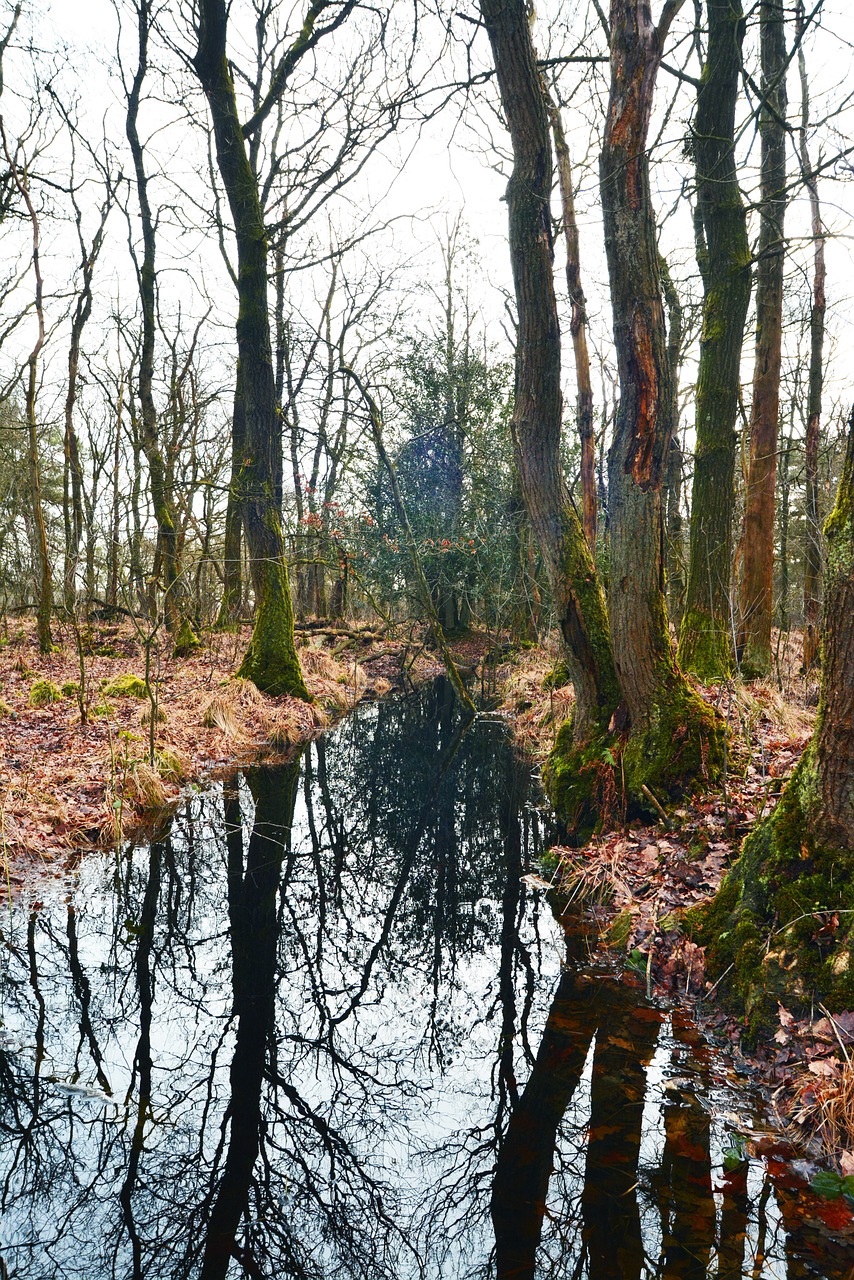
(705, 646)
(271, 662)
(679, 745)
(782, 922)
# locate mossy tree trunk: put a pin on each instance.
(675, 738)
(783, 918)
(757, 584)
(271, 661)
(723, 256)
(813, 558)
(578, 600)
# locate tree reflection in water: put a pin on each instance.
(322, 1028)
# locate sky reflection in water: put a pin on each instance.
(323, 1030)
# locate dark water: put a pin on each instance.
(323, 1029)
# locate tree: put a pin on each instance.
(271, 661)
(813, 558)
(757, 583)
(784, 916)
(675, 737)
(536, 423)
(723, 256)
(166, 565)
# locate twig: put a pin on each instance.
(832, 1022)
(656, 806)
(711, 991)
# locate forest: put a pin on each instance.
(425, 429)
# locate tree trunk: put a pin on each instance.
(813, 559)
(578, 600)
(271, 661)
(784, 916)
(161, 498)
(676, 739)
(757, 585)
(232, 591)
(723, 255)
(578, 330)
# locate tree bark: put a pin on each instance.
(166, 560)
(271, 661)
(723, 254)
(675, 738)
(757, 585)
(578, 600)
(578, 331)
(232, 591)
(813, 559)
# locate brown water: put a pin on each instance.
(324, 1029)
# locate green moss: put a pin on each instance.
(71, 688)
(43, 693)
(186, 641)
(106, 651)
(5, 709)
(680, 747)
(580, 781)
(558, 677)
(621, 927)
(126, 686)
(781, 927)
(271, 661)
(704, 647)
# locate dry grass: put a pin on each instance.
(826, 1104)
(143, 787)
(57, 781)
(537, 710)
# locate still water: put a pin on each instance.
(322, 1028)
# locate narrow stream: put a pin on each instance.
(324, 1029)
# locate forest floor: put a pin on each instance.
(66, 786)
(637, 880)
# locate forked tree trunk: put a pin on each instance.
(794, 880)
(723, 254)
(813, 559)
(271, 661)
(757, 585)
(675, 738)
(578, 600)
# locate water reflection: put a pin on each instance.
(325, 1030)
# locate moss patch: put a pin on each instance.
(271, 661)
(580, 781)
(680, 747)
(126, 686)
(704, 647)
(781, 926)
(43, 693)
(186, 641)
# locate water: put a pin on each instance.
(323, 1029)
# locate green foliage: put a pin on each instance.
(831, 1186)
(71, 688)
(43, 693)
